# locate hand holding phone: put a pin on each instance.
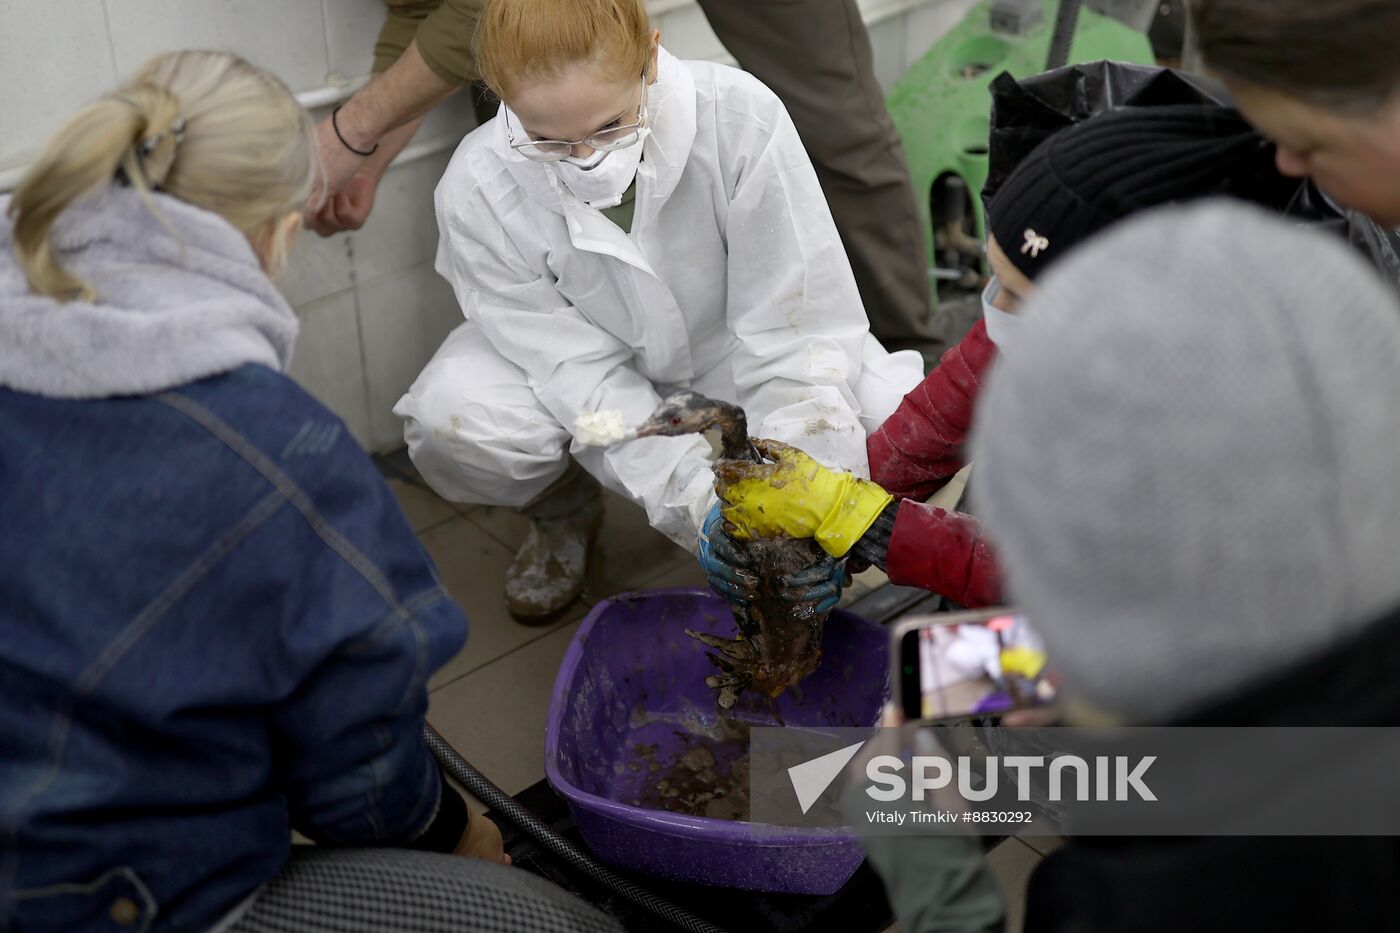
(968, 665)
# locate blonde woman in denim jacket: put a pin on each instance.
(218, 626)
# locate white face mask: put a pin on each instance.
(601, 179)
(1001, 325)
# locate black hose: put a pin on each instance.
(1066, 23)
(480, 787)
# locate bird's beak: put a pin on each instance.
(651, 429)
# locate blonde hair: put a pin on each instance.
(208, 128)
(524, 40)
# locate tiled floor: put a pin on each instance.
(491, 700)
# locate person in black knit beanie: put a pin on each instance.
(1091, 175)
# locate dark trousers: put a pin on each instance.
(815, 55)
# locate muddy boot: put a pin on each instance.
(548, 571)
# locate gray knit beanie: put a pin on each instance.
(1190, 459)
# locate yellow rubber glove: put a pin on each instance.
(1022, 662)
(798, 497)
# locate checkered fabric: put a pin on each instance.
(424, 892)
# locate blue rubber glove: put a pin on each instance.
(724, 565)
(820, 584)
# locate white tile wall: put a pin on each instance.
(318, 267)
(351, 28)
(402, 230)
(687, 34)
(887, 47)
(54, 57)
(287, 36)
(328, 360)
(404, 317)
(373, 311)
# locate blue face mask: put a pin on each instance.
(1001, 325)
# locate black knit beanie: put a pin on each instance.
(1091, 175)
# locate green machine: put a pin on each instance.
(942, 105)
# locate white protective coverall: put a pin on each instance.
(733, 282)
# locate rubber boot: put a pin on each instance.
(547, 574)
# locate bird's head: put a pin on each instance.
(688, 413)
(692, 413)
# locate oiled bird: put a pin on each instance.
(779, 640)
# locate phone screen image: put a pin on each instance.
(980, 668)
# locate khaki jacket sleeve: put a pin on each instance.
(443, 29)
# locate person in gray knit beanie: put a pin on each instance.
(1190, 461)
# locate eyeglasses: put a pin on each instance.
(605, 140)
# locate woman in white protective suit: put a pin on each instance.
(627, 225)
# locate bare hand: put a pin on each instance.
(348, 208)
(336, 165)
(380, 117)
(482, 840)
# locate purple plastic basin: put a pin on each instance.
(632, 676)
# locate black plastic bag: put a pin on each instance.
(1025, 113)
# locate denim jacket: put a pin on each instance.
(217, 627)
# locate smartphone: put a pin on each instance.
(968, 665)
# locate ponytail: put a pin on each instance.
(85, 154)
(206, 127)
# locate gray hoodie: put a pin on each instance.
(179, 297)
(1190, 459)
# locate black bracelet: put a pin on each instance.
(336, 127)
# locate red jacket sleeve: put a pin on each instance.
(944, 552)
(920, 446)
